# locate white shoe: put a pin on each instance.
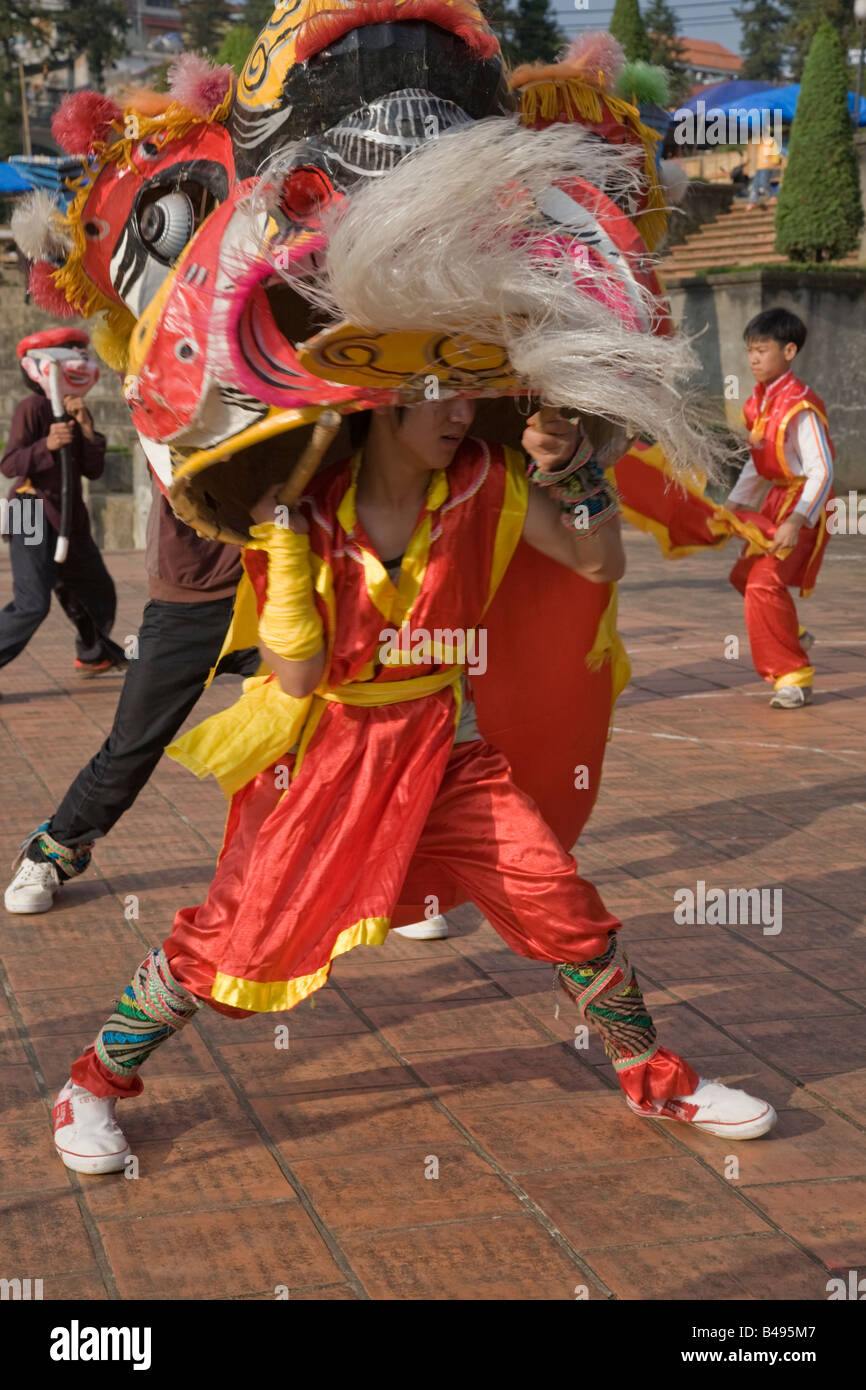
(791, 697)
(33, 888)
(86, 1134)
(428, 929)
(716, 1109)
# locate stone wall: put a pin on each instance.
(119, 501)
(831, 303)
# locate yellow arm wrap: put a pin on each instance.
(289, 625)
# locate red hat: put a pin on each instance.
(53, 337)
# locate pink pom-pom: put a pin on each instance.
(598, 54)
(45, 293)
(198, 86)
(81, 119)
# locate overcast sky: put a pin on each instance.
(698, 19)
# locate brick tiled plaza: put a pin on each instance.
(309, 1170)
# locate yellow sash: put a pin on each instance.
(239, 742)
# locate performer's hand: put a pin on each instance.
(788, 533)
(74, 406)
(550, 439)
(270, 508)
(59, 435)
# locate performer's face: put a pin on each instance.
(769, 359)
(432, 433)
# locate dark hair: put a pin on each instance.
(359, 425)
(778, 324)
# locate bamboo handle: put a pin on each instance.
(324, 432)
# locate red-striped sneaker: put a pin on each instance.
(716, 1109)
(86, 1134)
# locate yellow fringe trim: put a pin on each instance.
(581, 102)
(84, 296)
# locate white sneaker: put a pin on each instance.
(86, 1134)
(791, 697)
(429, 929)
(715, 1108)
(33, 888)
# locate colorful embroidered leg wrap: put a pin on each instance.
(151, 1008)
(607, 994)
(43, 848)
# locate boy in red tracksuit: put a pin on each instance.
(789, 481)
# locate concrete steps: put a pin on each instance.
(739, 237)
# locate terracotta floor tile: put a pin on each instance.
(755, 1267)
(624, 1204)
(708, 956)
(354, 1123)
(840, 967)
(352, 1198)
(761, 998)
(435, 1027)
(823, 1048)
(583, 1130)
(42, 1234)
(323, 1015)
(845, 1092)
(222, 1254)
(505, 1076)
(308, 1065)
(196, 1174)
(19, 1095)
(181, 1108)
(416, 981)
(827, 1218)
(477, 1260)
(28, 1160)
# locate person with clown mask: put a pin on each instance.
(53, 445)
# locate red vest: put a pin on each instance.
(767, 416)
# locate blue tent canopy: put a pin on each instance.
(719, 92)
(781, 99)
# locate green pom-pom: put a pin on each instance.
(643, 84)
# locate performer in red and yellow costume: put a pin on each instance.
(789, 480)
(391, 794)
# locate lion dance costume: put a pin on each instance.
(376, 217)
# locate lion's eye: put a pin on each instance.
(166, 225)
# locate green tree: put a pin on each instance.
(660, 22)
(805, 17)
(820, 211)
(204, 24)
(235, 47)
(763, 43)
(534, 33)
(18, 22)
(627, 25)
(96, 28)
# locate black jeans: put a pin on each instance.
(83, 587)
(178, 644)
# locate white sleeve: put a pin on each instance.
(748, 490)
(807, 438)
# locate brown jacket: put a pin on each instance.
(181, 566)
(29, 460)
